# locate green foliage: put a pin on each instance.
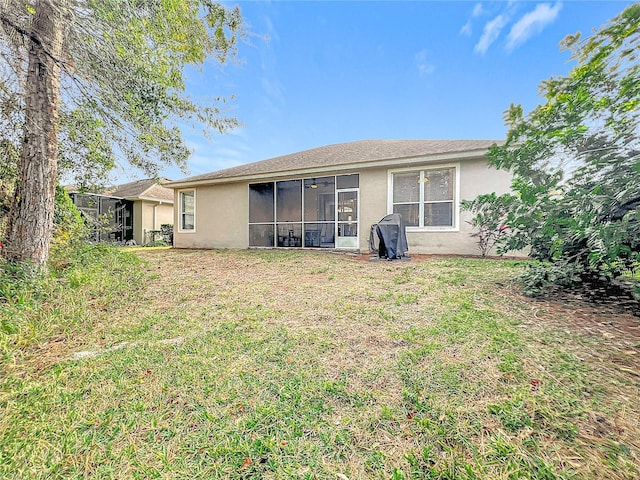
(156, 243)
(123, 79)
(69, 226)
(37, 304)
(489, 214)
(85, 148)
(9, 156)
(8, 174)
(20, 285)
(576, 163)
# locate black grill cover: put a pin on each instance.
(391, 233)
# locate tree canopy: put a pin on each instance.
(116, 89)
(122, 85)
(576, 163)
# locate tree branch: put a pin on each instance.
(25, 33)
(34, 38)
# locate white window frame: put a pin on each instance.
(181, 211)
(456, 196)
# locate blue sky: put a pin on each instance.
(319, 73)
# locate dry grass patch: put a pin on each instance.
(289, 364)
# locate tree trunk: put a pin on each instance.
(30, 226)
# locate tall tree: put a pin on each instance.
(31, 216)
(576, 163)
(92, 81)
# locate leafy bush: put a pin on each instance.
(576, 164)
(167, 232)
(67, 219)
(20, 284)
(156, 243)
(8, 174)
(489, 216)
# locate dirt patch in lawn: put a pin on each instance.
(618, 333)
(609, 319)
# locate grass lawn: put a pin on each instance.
(305, 365)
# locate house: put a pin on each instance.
(132, 211)
(328, 197)
(109, 218)
(152, 206)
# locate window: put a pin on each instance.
(348, 181)
(319, 199)
(289, 213)
(187, 210)
(261, 203)
(425, 198)
(289, 201)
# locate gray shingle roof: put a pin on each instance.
(147, 188)
(342, 154)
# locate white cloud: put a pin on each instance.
(490, 33)
(424, 67)
(532, 23)
(466, 29)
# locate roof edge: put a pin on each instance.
(400, 161)
(151, 199)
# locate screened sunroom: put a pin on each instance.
(317, 212)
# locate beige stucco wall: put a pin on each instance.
(476, 177)
(222, 210)
(164, 215)
(147, 217)
(373, 202)
(145, 220)
(138, 235)
(221, 219)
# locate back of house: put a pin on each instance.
(328, 197)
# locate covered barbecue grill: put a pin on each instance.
(392, 240)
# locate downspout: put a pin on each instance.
(155, 227)
(155, 218)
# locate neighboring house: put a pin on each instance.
(152, 206)
(328, 197)
(129, 212)
(110, 218)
